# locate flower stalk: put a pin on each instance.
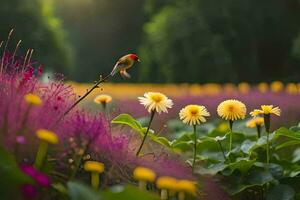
(230, 135)
(267, 120)
(145, 136)
(41, 154)
(195, 146)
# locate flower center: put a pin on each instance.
(157, 98)
(194, 111)
(230, 108)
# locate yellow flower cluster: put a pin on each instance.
(256, 121)
(211, 89)
(165, 182)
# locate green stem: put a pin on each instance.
(258, 128)
(195, 146)
(230, 136)
(142, 185)
(145, 136)
(219, 142)
(41, 154)
(164, 194)
(267, 121)
(181, 195)
(95, 180)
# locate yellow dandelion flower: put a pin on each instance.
(193, 114)
(166, 182)
(144, 174)
(33, 99)
(93, 166)
(187, 186)
(103, 99)
(232, 110)
(257, 121)
(266, 110)
(155, 101)
(263, 87)
(47, 136)
(277, 86)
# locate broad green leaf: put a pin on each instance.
(281, 192)
(128, 193)
(127, 119)
(211, 169)
(256, 176)
(287, 144)
(242, 165)
(247, 145)
(287, 133)
(80, 191)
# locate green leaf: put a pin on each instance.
(128, 192)
(80, 191)
(287, 144)
(127, 119)
(287, 133)
(256, 176)
(11, 176)
(212, 169)
(242, 165)
(281, 192)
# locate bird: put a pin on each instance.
(125, 63)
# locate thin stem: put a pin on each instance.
(164, 194)
(195, 147)
(82, 98)
(95, 180)
(181, 195)
(258, 128)
(268, 149)
(151, 119)
(267, 121)
(142, 185)
(41, 154)
(230, 136)
(219, 142)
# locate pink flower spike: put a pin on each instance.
(21, 139)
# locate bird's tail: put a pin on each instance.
(115, 70)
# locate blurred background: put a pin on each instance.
(191, 41)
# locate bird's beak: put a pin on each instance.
(139, 60)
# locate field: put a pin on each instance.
(61, 140)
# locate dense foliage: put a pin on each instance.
(34, 22)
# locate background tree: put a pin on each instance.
(36, 26)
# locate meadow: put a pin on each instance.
(147, 141)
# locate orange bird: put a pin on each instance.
(123, 64)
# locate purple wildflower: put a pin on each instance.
(29, 191)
